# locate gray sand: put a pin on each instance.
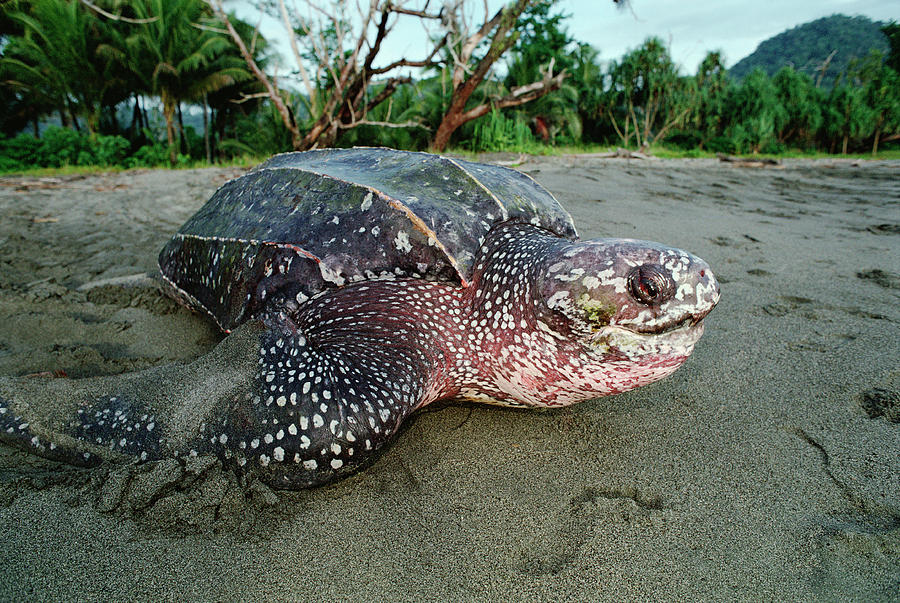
(767, 467)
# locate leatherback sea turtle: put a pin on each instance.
(358, 286)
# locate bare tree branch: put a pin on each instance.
(384, 124)
(113, 17)
(422, 14)
(248, 97)
(289, 30)
(203, 27)
(503, 36)
(465, 53)
(271, 89)
(520, 95)
(337, 57)
(427, 62)
(389, 88)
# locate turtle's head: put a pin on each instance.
(636, 302)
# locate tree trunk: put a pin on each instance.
(206, 146)
(286, 116)
(875, 141)
(182, 141)
(217, 121)
(135, 126)
(500, 41)
(169, 114)
(448, 126)
(637, 125)
(92, 121)
(146, 120)
(74, 119)
(844, 145)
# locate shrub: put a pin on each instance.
(497, 133)
(20, 152)
(62, 146)
(773, 148)
(683, 140)
(722, 144)
(111, 150)
(148, 156)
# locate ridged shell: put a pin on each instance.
(301, 222)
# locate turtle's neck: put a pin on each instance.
(519, 352)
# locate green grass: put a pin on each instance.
(244, 161)
(67, 170)
(536, 150)
(664, 152)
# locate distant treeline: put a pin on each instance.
(118, 86)
(822, 48)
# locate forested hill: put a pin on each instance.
(807, 46)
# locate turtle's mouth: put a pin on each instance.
(618, 340)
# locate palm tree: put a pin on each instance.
(647, 93)
(847, 116)
(243, 87)
(709, 91)
(63, 59)
(180, 56)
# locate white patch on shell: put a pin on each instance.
(402, 242)
(367, 202)
(332, 276)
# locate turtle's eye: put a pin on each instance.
(649, 284)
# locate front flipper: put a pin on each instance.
(297, 407)
(323, 402)
(147, 415)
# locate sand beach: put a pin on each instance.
(766, 468)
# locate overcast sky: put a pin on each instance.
(692, 28)
(689, 27)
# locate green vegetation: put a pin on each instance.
(130, 91)
(60, 147)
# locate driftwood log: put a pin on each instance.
(756, 162)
